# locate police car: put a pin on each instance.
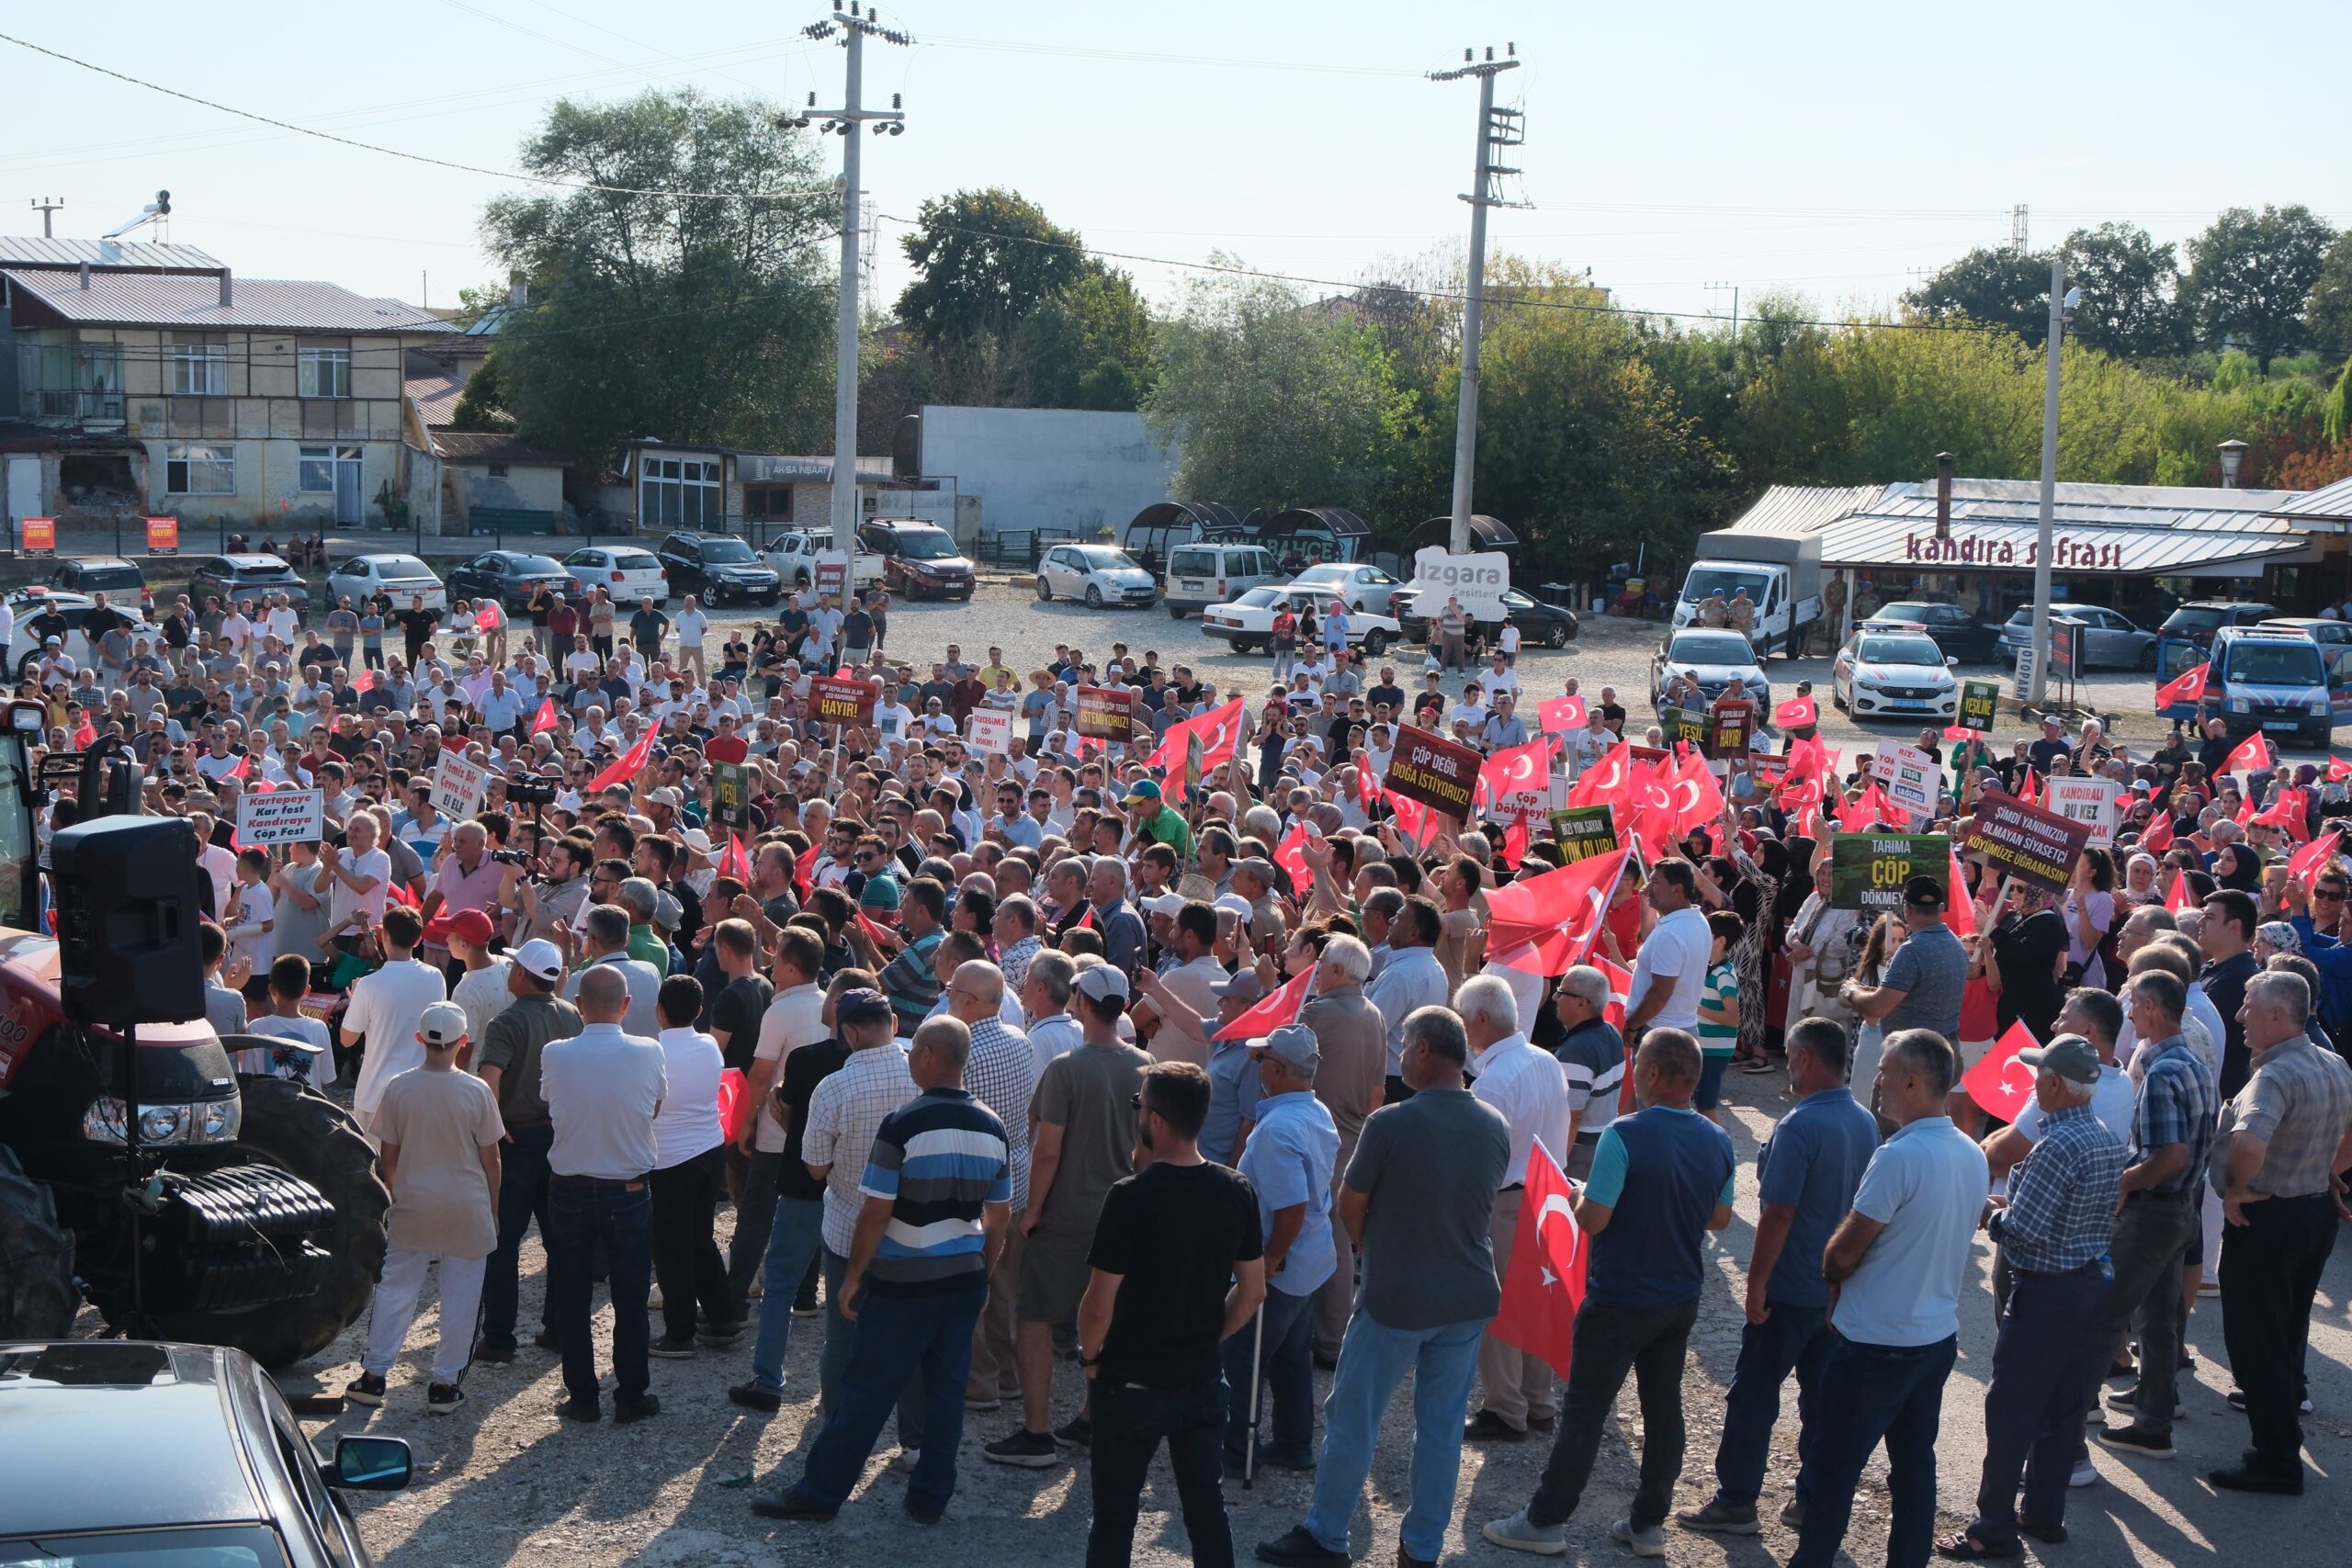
(1894, 672)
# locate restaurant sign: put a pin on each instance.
(2080, 555)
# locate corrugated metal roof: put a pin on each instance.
(436, 397)
(2329, 501)
(151, 300)
(37, 250)
(1803, 509)
(492, 446)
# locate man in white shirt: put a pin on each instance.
(604, 943)
(893, 718)
(384, 1010)
(689, 1176)
(1045, 1003)
(282, 622)
(691, 624)
(1527, 1086)
(361, 876)
(795, 1017)
(1672, 968)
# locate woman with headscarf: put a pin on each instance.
(2142, 885)
(2236, 866)
(1821, 947)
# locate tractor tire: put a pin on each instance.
(37, 1300)
(300, 1131)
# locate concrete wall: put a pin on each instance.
(1065, 468)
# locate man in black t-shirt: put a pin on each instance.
(1178, 1268)
(1387, 690)
(743, 994)
(416, 623)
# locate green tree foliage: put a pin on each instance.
(1999, 288)
(2131, 286)
(1089, 346)
(482, 405)
(2329, 312)
(984, 260)
(2251, 275)
(685, 318)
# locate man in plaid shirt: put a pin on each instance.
(2053, 1227)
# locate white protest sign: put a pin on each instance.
(991, 731)
(280, 816)
(459, 785)
(2089, 801)
(1477, 581)
(1910, 777)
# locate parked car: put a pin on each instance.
(625, 572)
(1363, 587)
(110, 575)
(508, 576)
(400, 578)
(918, 558)
(1718, 660)
(2197, 620)
(1248, 623)
(1205, 574)
(1540, 625)
(1100, 574)
(136, 1452)
(74, 608)
(1958, 633)
(235, 578)
(2110, 639)
(1890, 672)
(717, 568)
(793, 556)
(2271, 679)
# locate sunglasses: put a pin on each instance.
(2323, 895)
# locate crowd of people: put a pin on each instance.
(1189, 1058)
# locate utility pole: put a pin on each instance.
(45, 205)
(1733, 377)
(853, 26)
(1497, 128)
(2060, 303)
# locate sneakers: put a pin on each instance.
(442, 1398)
(1719, 1518)
(2084, 1474)
(1517, 1533)
(668, 1349)
(720, 1333)
(1299, 1549)
(905, 1460)
(2237, 1401)
(366, 1389)
(752, 1396)
(2137, 1439)
(2209, 1287)
(1031, 1450)
(806, 1305)
(2126, 1401)
(984, 1406)
(1648, 1540)
(1078, 1432)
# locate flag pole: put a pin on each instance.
(1257, 1362)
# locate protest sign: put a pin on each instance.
(833, 577)
(280, 816)
(1105, 713)
(162, 536)
(1583, 831)
(1980, 703)
(837, 700)
(1435, 772)
(1768, 772)
(1683, 727)
(2025, 841)
(37, 536)
(730, 797)
(1867, 871)
(2091, 802)
(1910, 777)
(458, 786)
(1731, 726)
(991, 731)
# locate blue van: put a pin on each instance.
(2270, 679)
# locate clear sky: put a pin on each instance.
(1828, 147)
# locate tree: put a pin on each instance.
(482, 405)
(2130, 292)
(702, 319)
(2329, 312)
(2002, 288)
(2250, 279)
(1089, 346)
(984, 260)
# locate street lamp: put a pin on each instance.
(2061, 301)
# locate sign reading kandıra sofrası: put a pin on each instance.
(1867, 871)
(1967, 550)
(1980, 703)
(1435, 772)
(1583, 831)
(837, 700)
(2025, 841)
(280, 816)
(1476, 581)
(1106, 713)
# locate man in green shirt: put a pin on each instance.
(1154, 821)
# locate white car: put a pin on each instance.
(400, 577)
(1884, 672)
(26, 604)
(1248, 623)
(793, 556)
(1100, 574)
(1363, 587)
(625, 572)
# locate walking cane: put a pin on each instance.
(1257, 1360)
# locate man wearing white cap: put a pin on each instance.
(440, 1131)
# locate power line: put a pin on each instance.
(1077, 51)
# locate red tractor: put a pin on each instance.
(235, 1210)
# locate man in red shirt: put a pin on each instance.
(563, 625)
(727, 745)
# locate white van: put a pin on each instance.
(2273, 680)
(1202, 575)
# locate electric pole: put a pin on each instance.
(853, 26)
(1497, 128)
(45, 205)
(2060, 303)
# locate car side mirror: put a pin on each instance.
(1951, 662)
(369, 1464)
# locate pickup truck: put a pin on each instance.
(1781, 573)
(794, 558)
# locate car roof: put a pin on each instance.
(2225, 605)
(130, 1435)
(387, 555)
(85, 562)
(256, 561)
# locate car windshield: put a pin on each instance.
(927, 543)
(2193, 620)
(1711, 648)
(1259, 598)
(1705, 580)
(402, 566)
(1900, 651)
(1907, 612)
(106, 578)
(726, 552)
(526, 565)
(2275, 663)
(1197, 562)
(194, 1546)
(1103, 558)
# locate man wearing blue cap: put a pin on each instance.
(1154, 821)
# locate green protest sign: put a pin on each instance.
(730, 797)
(1583, 831)
(1980, 703)
(1686, 726)
(1867, 871)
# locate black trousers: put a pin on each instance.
(2270, 1270)
(686, 1264)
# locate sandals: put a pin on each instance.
(1964, 1547)
(1757, 1064)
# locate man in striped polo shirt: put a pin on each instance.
(938, 1191)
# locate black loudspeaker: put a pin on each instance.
(128, 909)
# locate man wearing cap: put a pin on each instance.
(1234, 1089)
(1923, 985)
(508, 1060)
(439, 1133)
(1153, 821)
(1292, 1151)
(482, 987)
(2053, 1229)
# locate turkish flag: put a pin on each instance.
(2157, 839)
(1560, 906)
(399, 893)
(627, 767)
(2028, 794)
(2307, 861)
(1604, 778)
(1290, 855)
(1862, 815)
(1413, 819)
(244, 768)
(364, 682)
(1796, 714)
(1999, 1082)
(2339, 769)
(1561, 715)
(2189, 689)
(86, 737)
(1697, 799)
(1808, 759)
(544, 720)
(1544, 1284)
(1514, 850)
(1220, 733)
(1645, 808)
(2253, 755)
(1272, 1013)
(1620, 990)
(2290, 809)
(2176, 897)
(1960, 909)
(803, 868)
(735, 860)
(1516, 771)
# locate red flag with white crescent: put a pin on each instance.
(2176, 897)
(2157, 839)
(1568, 903)
(2309, 860)
(1598, 783)
(2339, 769)
(735, 860)
(1960, 909)
(1796, 713)
(1999, 1082)
(1518, 770)
(1697, 799)
(1544, 1283)
(544, 720)
(1562, 715)
(1272, 1013)
(623, 768)
(2189, 688)
(1290, 855)
(2253, 755)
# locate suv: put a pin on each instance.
(1956, 631)
(1202, 575)
(246, 577)
(2199, 620)
(100, 574)
(918, 558)
(718, 567)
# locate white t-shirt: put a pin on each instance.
(344, 902)
(1677, 948)
(603, 1090)
(281, 623)
(251, 909)
(794, 1019)
(222, 867)
(483, 994)
(387, 1006)
(689, 625)
(688, 1121)
(310, 1031)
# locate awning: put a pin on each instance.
(2084, 541)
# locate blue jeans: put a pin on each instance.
(580, 1218)
(1652, 1344)
(793, 1239)
(1372, 1360)
(1890, 1392)
(1790, 1339)
(1130, 1423)
(521, 1198)
(2046, 1364)
(1286, 1370)
(840, 1346)
(925, 1338)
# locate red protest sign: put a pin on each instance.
(1434, 771)
(1106, 713)
(838, 700)
(2025, 841)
